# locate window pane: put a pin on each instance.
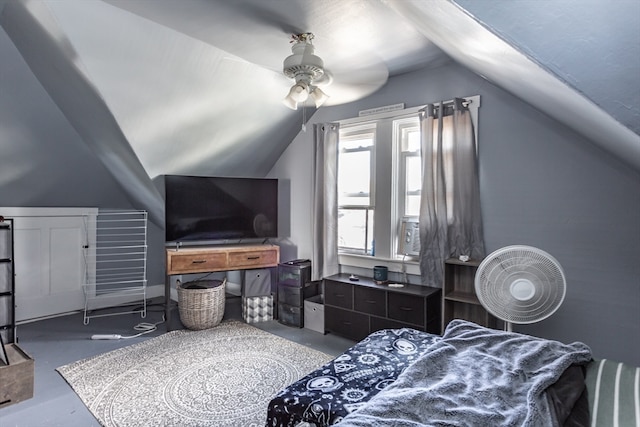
(412, 206)
(354, 174)
(355, 230)
(411, 139)
(414, 174)
(413, 179)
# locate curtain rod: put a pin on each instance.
(467, 100)
(465, 103)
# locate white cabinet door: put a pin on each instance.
(49, 264)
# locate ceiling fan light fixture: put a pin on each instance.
(299, 92)
(318, 96)
(290, 103)
(304, 67)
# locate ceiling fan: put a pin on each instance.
(353, 75)
(307, 69)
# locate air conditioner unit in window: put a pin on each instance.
(409, 238)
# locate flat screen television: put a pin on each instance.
(220, 209)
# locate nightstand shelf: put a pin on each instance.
(465, 297)
(459, 299)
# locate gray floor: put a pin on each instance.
(62, 340)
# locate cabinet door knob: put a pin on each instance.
(406, 308)
(198, 261)
(369, 301)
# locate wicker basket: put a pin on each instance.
(201, 308)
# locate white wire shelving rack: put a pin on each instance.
(115, 264)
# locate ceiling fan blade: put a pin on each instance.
(353, 74)
(352, 77)
(266, 16)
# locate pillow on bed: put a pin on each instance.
(614, 393)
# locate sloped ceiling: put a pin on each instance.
(591, 45)
(194, 86)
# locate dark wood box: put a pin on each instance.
(16, 378)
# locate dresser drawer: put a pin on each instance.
(295, 296)
(197, 262)
(338, 294)
(406, 308)
(371, 301)
(256, 258)
(290, 315)
(346, 323)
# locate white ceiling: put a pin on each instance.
(195, 86)
(191, 83)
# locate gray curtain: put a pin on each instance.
(325, 200)
(450, 215)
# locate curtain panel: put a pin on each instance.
(450, 215)
(325, 201)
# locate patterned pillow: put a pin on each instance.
(614, 393)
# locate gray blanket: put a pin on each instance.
(474, 376)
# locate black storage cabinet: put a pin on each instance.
(7, 284)
(294, 286)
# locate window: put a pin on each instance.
(379, 182)
(373, 200)
(356, 201)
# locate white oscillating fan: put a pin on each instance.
(520, 284)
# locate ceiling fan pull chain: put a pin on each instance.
(304, 118)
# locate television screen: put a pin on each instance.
(214, 209)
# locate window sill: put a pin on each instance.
(393, 264)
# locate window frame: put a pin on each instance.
(387, 221)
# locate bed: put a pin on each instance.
(470, 376)
(327, 395)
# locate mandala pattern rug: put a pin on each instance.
(223, 376)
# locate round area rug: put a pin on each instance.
(224, 376)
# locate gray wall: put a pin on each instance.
(541, 185)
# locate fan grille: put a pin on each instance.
(520, 284)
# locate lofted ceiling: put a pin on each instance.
(195, 86)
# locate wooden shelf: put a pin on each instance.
(469, 263)
(460, 296)
(459, 300)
